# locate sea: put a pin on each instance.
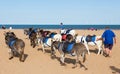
(57, 26)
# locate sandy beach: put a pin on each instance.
(37, 62)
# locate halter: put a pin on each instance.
(45, 40)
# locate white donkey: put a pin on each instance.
(56, 37)
(47, 41)
(68, 31)
(93, 42)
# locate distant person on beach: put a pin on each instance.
(10, 28)
(61, 24)
(3, 27)
(109, 39)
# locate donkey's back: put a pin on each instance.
(19, 43)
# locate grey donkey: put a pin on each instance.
(78, 49)
(15, 44)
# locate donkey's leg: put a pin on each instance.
(21, 57)
(62, 57)
(43, 48)
(42, 44)
(77, 61)
(87, 48)
(38, 41)
(99, 47)
(101, 50)
(34, 44)
(10, 54)
(52, 50)
(30, 42)
(84, 57)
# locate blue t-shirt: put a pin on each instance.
(108, 36)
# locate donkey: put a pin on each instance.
(15, 44)
(90, 40)
(68, 31)
(26, 31)
(72, 48)
(55, 36)
(33, 38)
(45, 38)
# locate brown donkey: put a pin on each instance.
(16, 46)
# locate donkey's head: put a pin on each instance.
(69, 37)
(8, 36)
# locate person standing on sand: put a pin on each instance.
(61, 24)
(3, 27)
(10, 28)
(109, 39)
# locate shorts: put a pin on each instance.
(109, 46)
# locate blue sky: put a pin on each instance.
(56, 11)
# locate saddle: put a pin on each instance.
(64, 37)
(45, 33)
(90, 38)
(67, 47)
(11, 42)
(45, 39)
(68, 31)
(52, 35)
(33, 31)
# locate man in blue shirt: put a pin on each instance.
(109, 39)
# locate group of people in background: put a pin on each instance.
(3, 27)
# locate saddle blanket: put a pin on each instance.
(70, 46)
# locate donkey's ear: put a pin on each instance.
(76, 35)
(13, 33)
(4, 33)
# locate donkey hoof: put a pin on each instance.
(63, 64)
(10, 58)
(86, 68)
(74, 67)
(33, 46)
(22, 61)
(53, 56)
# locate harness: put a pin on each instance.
(64, 37)
(91, 39)
(70, 46)
(11, 42)
(33, 31)
(45, 40)
(52, 35)
(68, 31)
